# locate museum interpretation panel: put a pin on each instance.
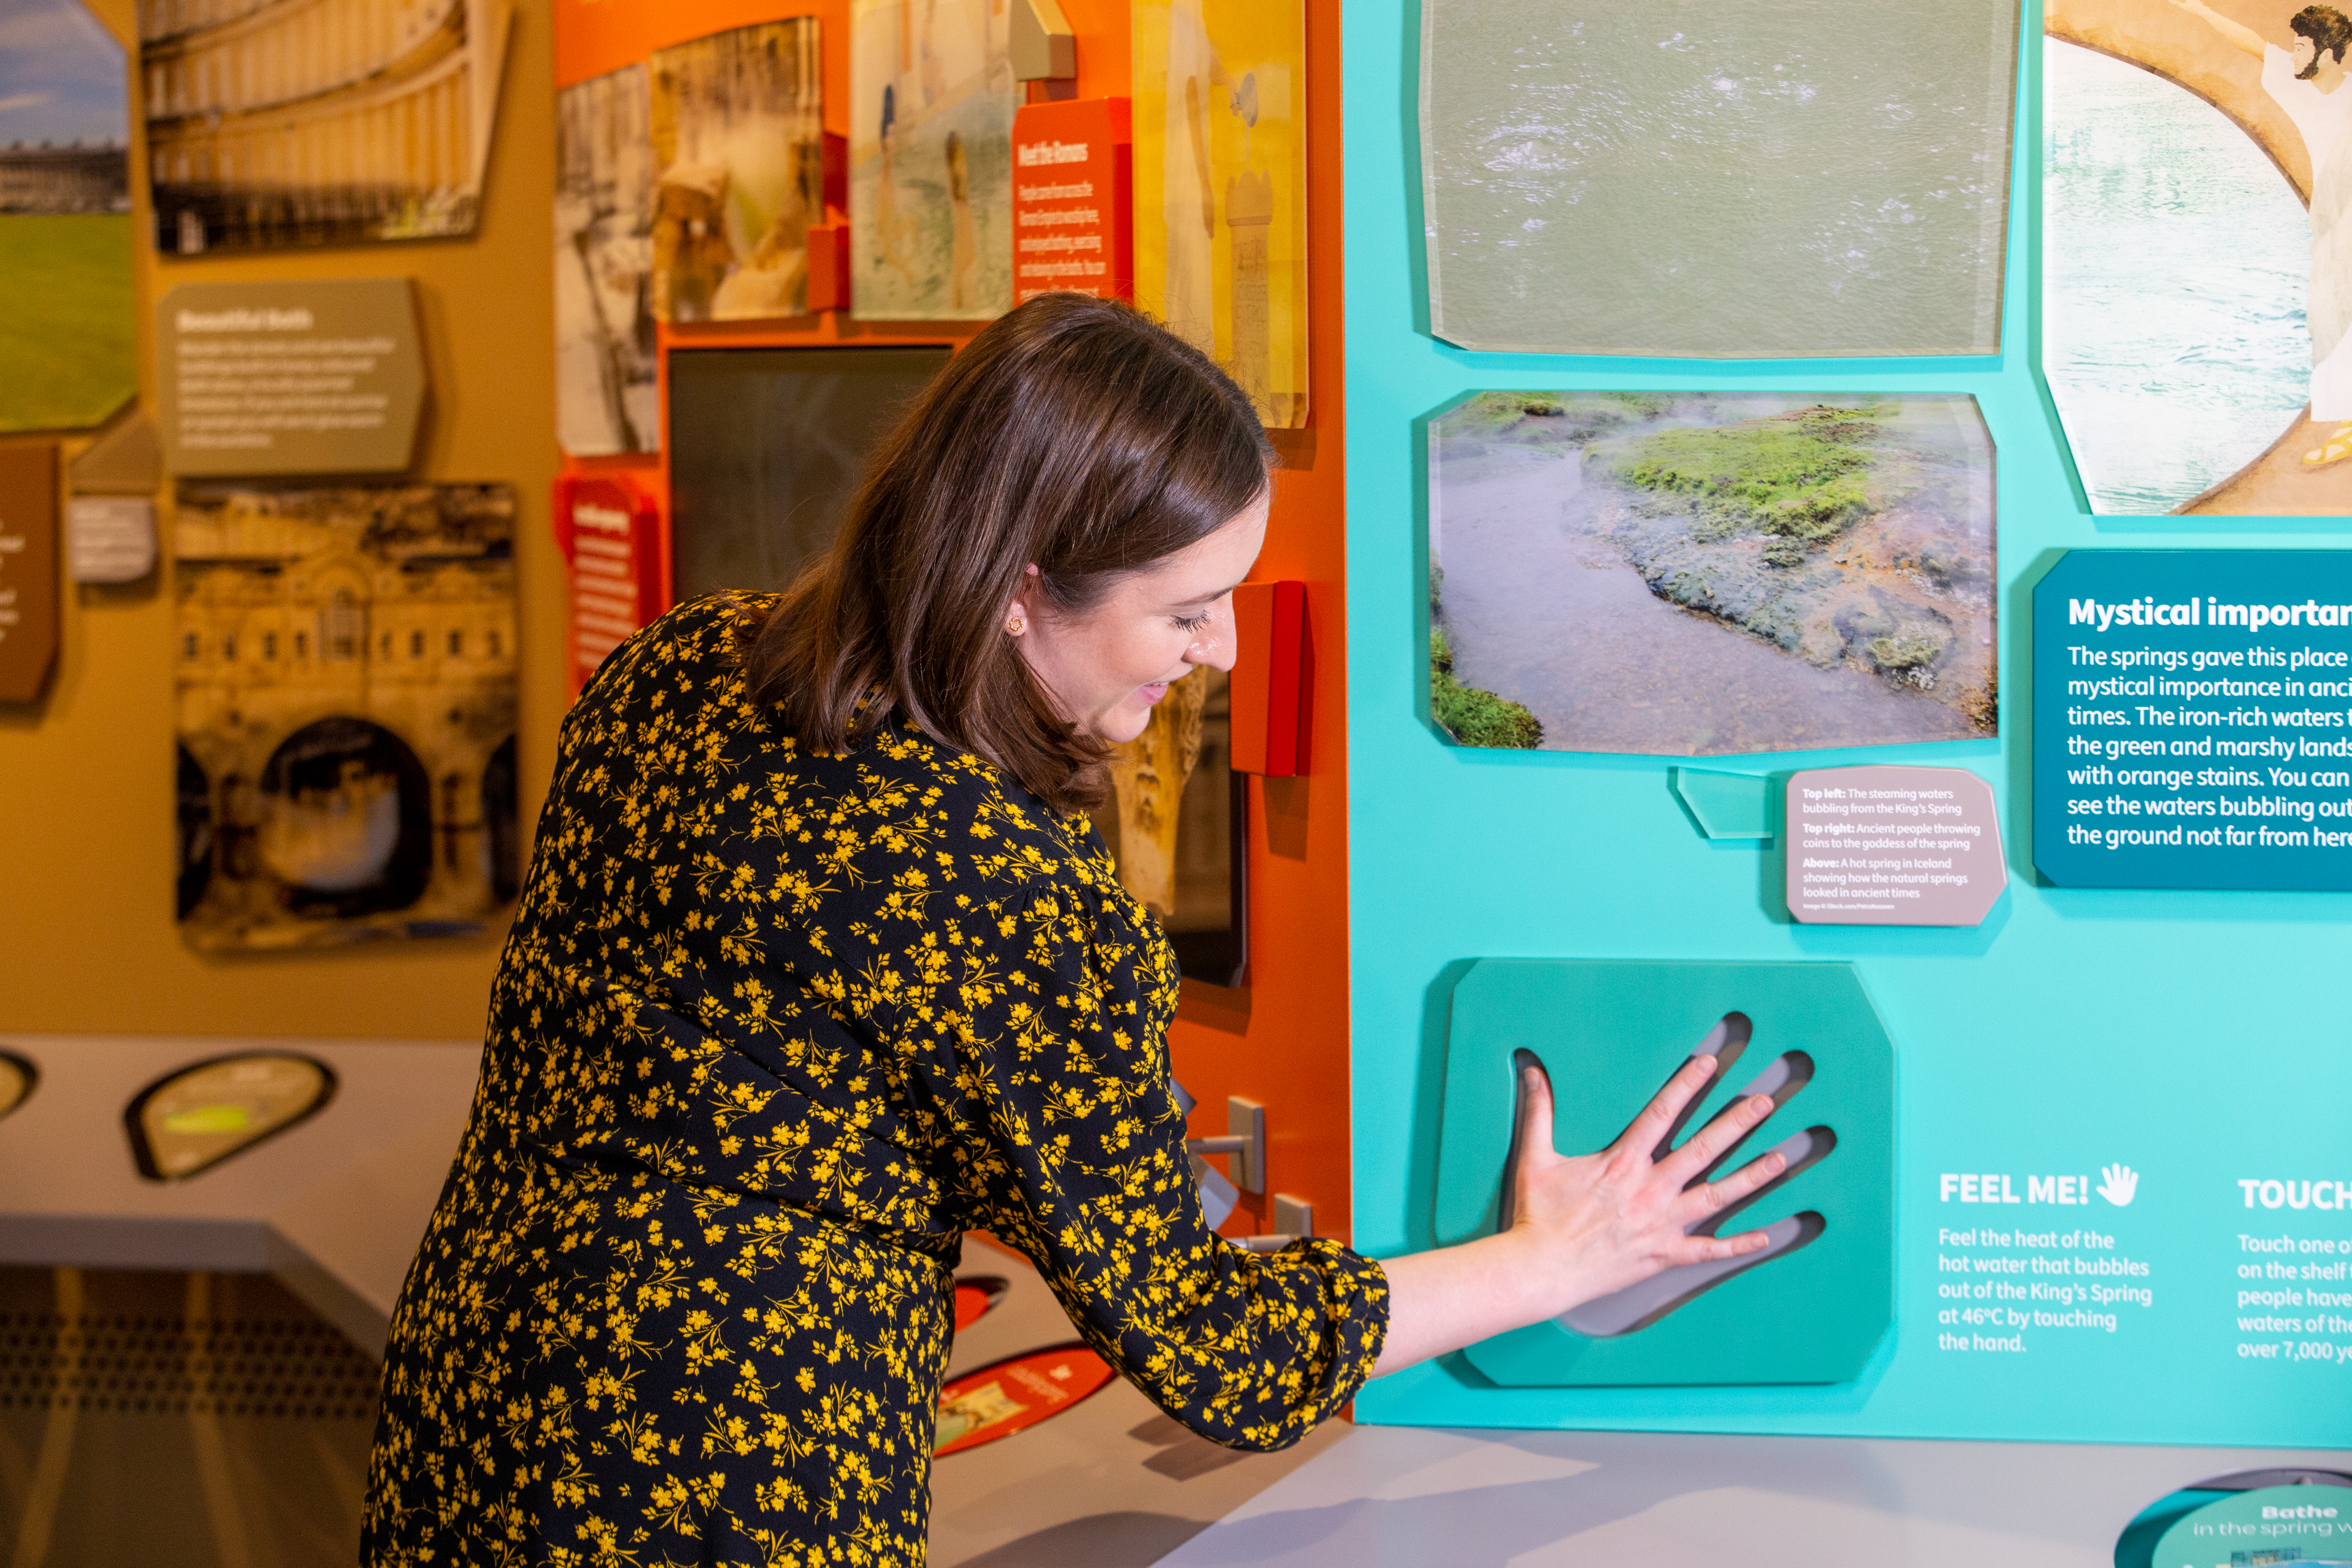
(1807, 532)
(1678, 713)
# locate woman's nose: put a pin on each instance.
(1217, 647)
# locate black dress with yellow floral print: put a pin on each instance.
(771, 1031)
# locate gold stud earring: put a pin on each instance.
(1016, 625)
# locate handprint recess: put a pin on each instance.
(1602, 1036)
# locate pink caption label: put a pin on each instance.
(1892, 846)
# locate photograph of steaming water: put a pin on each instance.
(1694, 574)
(2176, 371)
(1717, 178)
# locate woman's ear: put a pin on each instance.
(1017, 613)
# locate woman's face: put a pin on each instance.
(1106, 667)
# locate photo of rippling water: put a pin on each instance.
(2175, 259)
(1725, 179)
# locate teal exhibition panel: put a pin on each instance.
(2093, 1155)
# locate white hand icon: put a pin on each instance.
(2118, 1185)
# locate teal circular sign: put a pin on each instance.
(2310, 1527)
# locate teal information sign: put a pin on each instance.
(2192, 719)
(2310, 1527)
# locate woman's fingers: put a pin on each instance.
(1532, 1139)
(1713, 1197)
(1708, 1144)
(1657, 1119)
(1713, 1249)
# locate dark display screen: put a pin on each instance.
(767, 446)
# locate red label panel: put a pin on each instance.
(1014, 1395)
(610, 533)
(1073, 221)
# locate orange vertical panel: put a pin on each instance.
(1285, 1041)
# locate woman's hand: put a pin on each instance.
(1581, 1227)
(1598, 1223)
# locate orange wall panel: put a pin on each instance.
(1283, 1041)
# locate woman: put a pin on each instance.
(820, 965)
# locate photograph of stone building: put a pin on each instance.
(346, 713)
(69, 179)
(293, 122)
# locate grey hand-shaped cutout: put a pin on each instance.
(1639, 1305)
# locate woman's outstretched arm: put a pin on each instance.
(1585, 1226)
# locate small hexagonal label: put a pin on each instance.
(1890, 846)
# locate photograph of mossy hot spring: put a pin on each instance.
(1689, 574)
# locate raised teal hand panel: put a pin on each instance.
(1610, 1033)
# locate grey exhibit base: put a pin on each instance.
(1425, 1496)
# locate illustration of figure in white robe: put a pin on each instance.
(1189, 196)
(2309, 82)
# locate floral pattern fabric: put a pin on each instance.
(771, 1030)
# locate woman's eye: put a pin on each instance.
(1192, 623)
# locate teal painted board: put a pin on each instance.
(2193, 1039)
(1722, 178)
(1729, 806)
(1610, 1034)
(2192, 719)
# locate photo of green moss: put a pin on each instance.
(1695, 573)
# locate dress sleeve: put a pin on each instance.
(1065, 1141)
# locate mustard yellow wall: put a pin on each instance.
(87, 846)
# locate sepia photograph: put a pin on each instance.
(346, 713)
(284, 123)
(1696, 573)
(739, 142)
(606, 399)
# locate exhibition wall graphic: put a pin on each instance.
(737, 137)
(346, 713)
(273, 127)
(2204, 375)
(301, 378)
(65, 218)
(606, 401)
(2117, 1210)
(931, 160)
(2193, 719)
(1175, 818)
(1220, 187)
(1758, 178)
(30, 625)
(1643, 572)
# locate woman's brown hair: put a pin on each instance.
(1072, 434)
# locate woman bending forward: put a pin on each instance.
(820, 965)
